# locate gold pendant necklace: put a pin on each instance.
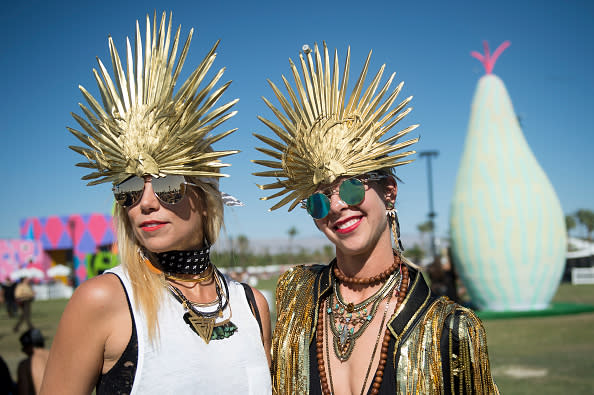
(203, 326)
(204, 323)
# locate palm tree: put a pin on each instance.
(292, 232)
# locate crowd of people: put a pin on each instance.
(17, 297)
(166, 320)
(30, 370)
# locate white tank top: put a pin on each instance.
(180, 362)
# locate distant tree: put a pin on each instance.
(243, 244)
(415, 253)
(328, 252)
(292, 232)
(425, 227)
(569, 223)
(586, 218)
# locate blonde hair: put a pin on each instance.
(149, 286)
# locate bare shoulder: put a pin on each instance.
(96, 313)
(95, 305)
(100, 293)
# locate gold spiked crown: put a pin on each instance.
(325, 135)
(144, 127)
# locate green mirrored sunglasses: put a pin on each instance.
(351, 191)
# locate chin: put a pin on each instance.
(352, 246)
(156, 248)
(157, 244)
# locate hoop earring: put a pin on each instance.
(392, 215)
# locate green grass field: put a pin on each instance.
(540, 355)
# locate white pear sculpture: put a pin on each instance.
(508, 233)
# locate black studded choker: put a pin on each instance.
(184, 262)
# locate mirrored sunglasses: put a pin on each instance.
(351, 191)
(169, 190)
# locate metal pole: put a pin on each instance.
(432, 214)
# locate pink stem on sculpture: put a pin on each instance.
(487, 59)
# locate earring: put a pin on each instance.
(392, 215)
(147, 261)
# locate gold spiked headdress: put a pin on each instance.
(143, 127)
(325, 135)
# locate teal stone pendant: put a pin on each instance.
(223, 331)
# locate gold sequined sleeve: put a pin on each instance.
(295, 308)
(465, 356)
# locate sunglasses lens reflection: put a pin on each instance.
(129, 192)
(170, 189)
(352, 191)
(318, 205)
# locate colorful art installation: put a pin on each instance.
(508, 235)
(100, 262)
(80, 234)
(21, 254)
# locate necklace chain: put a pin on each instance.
(193, 306)
(206, 275)
(379, 335)
(205, 323)
(328, 387)
(348, 322)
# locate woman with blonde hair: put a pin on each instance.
(165, 320)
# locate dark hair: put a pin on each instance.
(32, 337)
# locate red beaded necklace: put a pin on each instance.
(379, 374)
(344, 279)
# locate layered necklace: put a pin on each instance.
(212, 320)
(348, 321)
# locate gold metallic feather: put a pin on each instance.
(142, 127)
(323, 135)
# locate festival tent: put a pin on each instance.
(71, 238)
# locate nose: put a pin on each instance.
(148, 201)
(336, 203)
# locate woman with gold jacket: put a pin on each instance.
(367, 323)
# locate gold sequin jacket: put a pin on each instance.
(437, 346)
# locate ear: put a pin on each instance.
(390, 190)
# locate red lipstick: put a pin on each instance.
(354, 222)
(151, 226)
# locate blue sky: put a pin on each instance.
(50, 48)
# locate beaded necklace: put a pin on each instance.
(348, 321)
(350, 281)
(326, 380)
